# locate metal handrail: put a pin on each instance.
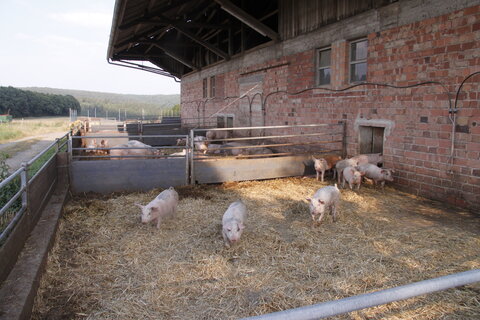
(132, 136)
(47, 149)
(25, 181)
(269, 127)
(11, 177)
(332, 308)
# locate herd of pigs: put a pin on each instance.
(325, 199)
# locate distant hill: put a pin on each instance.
(111, 103)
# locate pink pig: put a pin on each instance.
(164, 205)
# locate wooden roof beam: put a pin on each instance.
(249, 20)
(153, 14)
(197, 39)
(177, 57)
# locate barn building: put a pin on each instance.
(403, 75)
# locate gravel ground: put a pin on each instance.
(15, 161)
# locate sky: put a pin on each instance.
(63, 44)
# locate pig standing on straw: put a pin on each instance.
(164, 205)
(233, 222)
(325, 199)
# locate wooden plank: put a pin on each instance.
(365, 139)
(223, 170)
(106, 176)
(377, 140)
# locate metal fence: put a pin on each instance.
(24, 194)
(21, 180)
(252, 153)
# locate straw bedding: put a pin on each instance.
(107, 265)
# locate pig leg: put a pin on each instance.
(339, 175)
(158, 222)
(321, 217)
(225, 240)
(334, 212)
(323, 173)
(318, 174)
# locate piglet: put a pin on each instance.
(376, 174)
(321, 165)
(164, 205)
(352, 176)
(326, 198)
(342, 164)
(233, 222)
(373, 158)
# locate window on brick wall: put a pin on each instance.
(224, 120)
(209, 87)
(205, 88)
(212, 87)
(323, 66)
(358, 60)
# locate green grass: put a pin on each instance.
(29, 127)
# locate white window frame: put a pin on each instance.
(317, 73)
(354, 62)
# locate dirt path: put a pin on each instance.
(15, 161)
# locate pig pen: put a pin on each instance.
(105, 264)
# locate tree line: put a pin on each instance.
(24, 103)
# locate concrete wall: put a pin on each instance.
(408, 42)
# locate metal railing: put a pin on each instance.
(77, 152)
(10, 213)
(333, 308)
(275, 145)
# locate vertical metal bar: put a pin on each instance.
(187, 160)
(24, 184)
(344, 140)
(192, 169)
(69, 148)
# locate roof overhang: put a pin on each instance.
(176, 37)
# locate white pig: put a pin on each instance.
(321, 165)
(164, 205)
(342, 164)
(326, 198)
(376, 174)
(233, 222)
(213, 135)
(352, 176)
(374, 158)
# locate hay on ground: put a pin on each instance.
(107, 265)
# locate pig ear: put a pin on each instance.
(241, 226)
(383, 171)
(308, 199)
(139, 205)
(321, 201)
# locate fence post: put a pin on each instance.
(192, 170)
(344, 140)
(69, 148)
(24, 184)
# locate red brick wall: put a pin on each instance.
(444, 49)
